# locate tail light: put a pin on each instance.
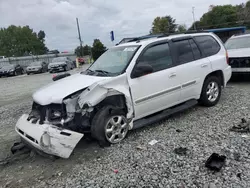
(227, 57)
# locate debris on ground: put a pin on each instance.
(210, 185)
(139, 147)
(178, 130)
(60, 76)
(239, 175)
(215, 162)
(116, 171)
(181, 151)
(243, 127)
(153, 142)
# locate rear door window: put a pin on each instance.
(196, 51)
(209, 46)
(184, 51)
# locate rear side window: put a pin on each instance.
(196, 51)
(158, 57)
(184, 51)
(209, 46)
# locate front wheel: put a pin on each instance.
(109, 126)
(211, 91)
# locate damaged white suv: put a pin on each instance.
(131, 85)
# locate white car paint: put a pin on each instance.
(144, 95)
(243, 52)
(56, 91)
(55, 141)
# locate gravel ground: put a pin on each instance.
(135, 163)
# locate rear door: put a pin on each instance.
(192, 66)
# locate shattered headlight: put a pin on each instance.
(56, 114)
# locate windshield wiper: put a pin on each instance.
(102, 71)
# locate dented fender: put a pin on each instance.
(97, 92)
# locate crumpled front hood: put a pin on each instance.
(242, 52)
(58, 90)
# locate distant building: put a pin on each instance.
(226, 33)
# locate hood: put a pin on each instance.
(34, 66)
(242, 52)
(57, 63)
(58, 90)
(7, 68)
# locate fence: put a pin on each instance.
(27, 60)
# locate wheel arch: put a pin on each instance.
(218, 74)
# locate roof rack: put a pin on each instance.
(196, 31)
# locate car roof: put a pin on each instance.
(145, 42)
(240, 36)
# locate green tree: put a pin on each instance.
(19, 41)
(163, 25)
(98, 49)
(181, 28)
(86, 50)
(221, 16)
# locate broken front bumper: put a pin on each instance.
(48, 138)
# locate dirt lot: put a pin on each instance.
(133, 163)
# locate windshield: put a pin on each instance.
(35, 63)
(236, 43)
(58, 59)
(115, 60)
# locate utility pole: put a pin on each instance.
(194, 18)
(79, 33)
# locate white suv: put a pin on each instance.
(131, 85)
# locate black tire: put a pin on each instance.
(204, 99)
(28, 73)
(99, 122)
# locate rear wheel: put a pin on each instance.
(211, 91)
(109, 126)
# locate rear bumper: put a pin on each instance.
(227, 75)
(48, 138)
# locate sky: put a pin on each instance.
(127, 18)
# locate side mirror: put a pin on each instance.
(141, 70)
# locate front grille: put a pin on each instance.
(39, 113)
(243, 62)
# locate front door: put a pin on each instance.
(161, 88)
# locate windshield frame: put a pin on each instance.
(129, 61)
(237, 39)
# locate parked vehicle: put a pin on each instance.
(11, 70)
(37, 67)
(60, 64)
(131, 85)
(238, 48)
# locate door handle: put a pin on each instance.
(172, 75)
(204, 65)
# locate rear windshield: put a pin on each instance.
(237, 43)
